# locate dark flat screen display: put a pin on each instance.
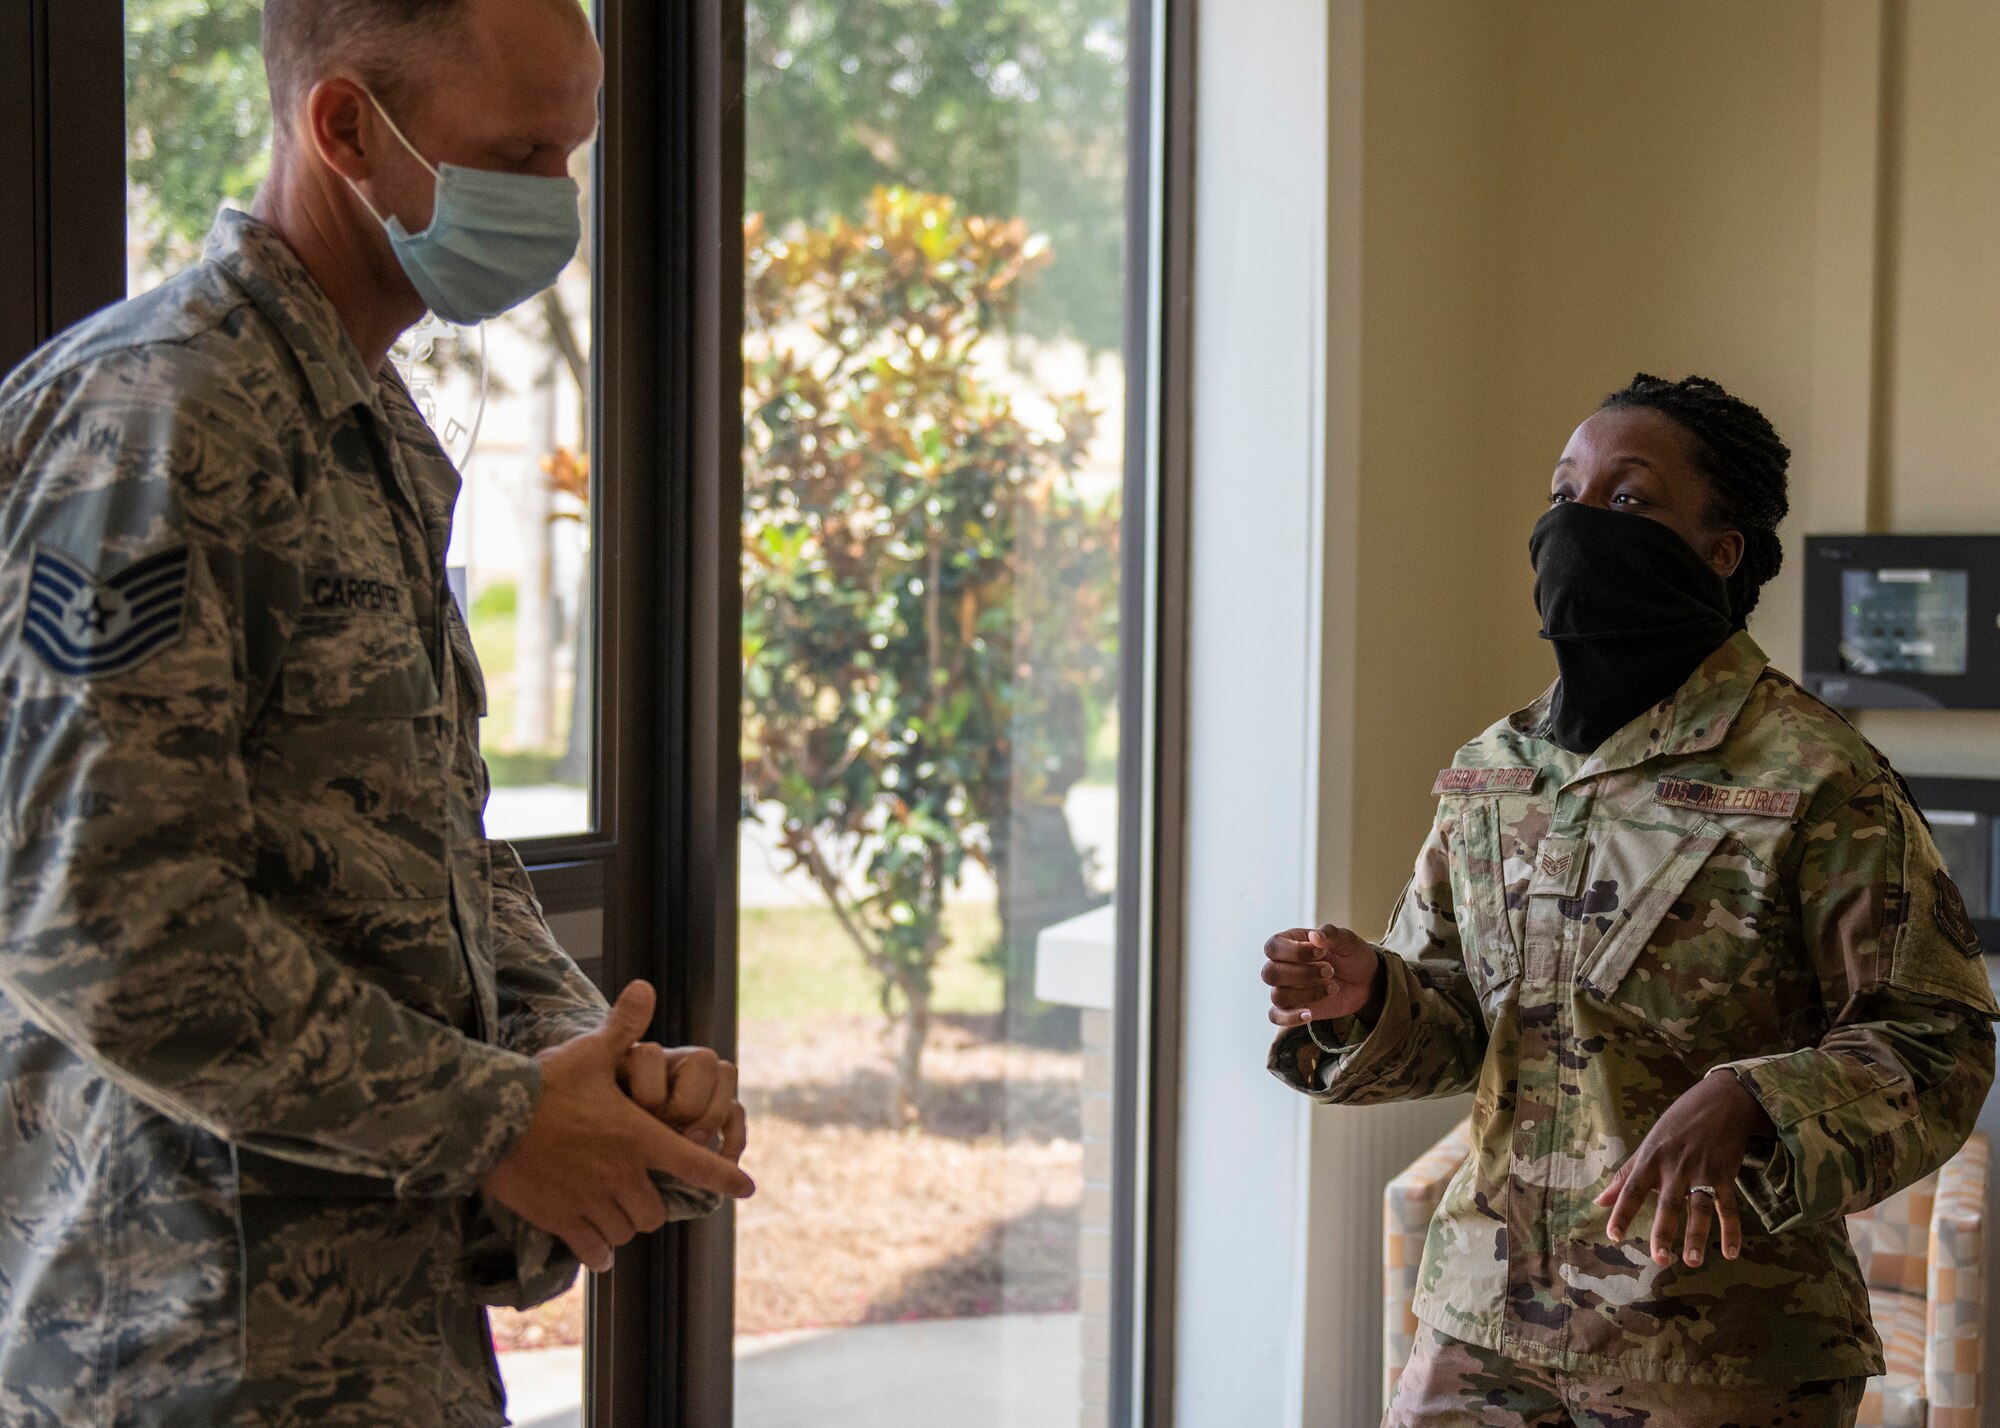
(1906, 621)
(1903, 621)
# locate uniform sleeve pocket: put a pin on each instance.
(358, 667)
(1639, 916)
(1936, 947)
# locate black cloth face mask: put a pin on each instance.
(1631, 610)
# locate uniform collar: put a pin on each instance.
(1697, 718)
(266, 268)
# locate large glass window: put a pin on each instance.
(935, 475)
(510, 401)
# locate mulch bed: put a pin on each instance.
(856, 1221)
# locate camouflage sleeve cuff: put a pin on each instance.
(510, 1264)
(481, 1118)
(1826, 1108)
(531, 1035)
(684, 1201)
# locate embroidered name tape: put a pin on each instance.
(1483, 781)
(1726, 798)
(83, 625)
(354, 592)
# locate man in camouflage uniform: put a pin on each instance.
(295, 1077)
(1717, 959)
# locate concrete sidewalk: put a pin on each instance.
(1007, 1371)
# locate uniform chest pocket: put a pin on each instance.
(350, 772)
(1696, 950)
(1488, 880)
(358, 667)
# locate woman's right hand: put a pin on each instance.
(1319, 973)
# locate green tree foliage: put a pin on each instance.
(928, 598)
(197, 114)
(1009, 106)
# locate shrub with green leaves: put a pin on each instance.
(930, 602)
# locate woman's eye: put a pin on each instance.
(1626, 498)
(1558, 497)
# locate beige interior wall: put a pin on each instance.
(1939, 367)
(1532, 199)
(1551, 194)
(1420, 413)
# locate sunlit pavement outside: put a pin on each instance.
(1007, 1371)
(544, 1387)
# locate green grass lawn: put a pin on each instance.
(491, 621)
(798, 964)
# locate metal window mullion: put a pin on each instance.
(1147, 1017)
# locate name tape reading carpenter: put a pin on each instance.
(352, 592)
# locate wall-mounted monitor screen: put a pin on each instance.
(1912, 621)
(1903, 622)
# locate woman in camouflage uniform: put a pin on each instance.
(1681, 932)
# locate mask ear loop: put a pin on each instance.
(415, 153)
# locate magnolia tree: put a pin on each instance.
(930, 604)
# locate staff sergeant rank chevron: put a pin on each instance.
(81, 625)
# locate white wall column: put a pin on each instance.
(1253, 730)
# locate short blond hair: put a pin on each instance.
(306, 40)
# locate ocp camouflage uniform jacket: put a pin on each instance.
(268, 995)
(1734, 879)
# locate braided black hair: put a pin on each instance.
(1738, 450)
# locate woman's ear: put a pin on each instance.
(1725, 553)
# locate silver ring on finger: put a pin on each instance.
(1694, 1190)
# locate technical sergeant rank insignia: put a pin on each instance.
(85, 626)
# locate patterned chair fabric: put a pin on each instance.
(1922, 1252)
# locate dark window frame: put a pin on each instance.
(62, 126)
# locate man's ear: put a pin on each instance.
(339, 123)
(1725, 553)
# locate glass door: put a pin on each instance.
(936, 476)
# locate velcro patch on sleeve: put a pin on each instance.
(1727, 798)
(91, 626)
(1504, 780)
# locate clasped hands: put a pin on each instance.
(1701, 1140)
(612, 1109)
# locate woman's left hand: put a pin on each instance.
(1701, 1140)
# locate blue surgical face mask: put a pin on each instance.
(495, 239)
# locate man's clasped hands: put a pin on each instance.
(613, 1108)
